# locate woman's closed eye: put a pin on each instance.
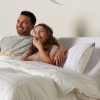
(41, 31)
(38, 32)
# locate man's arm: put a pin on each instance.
(59, 58)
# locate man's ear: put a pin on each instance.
(32, 27)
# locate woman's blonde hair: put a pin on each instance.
(50, 40)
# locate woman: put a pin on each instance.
(44, 46)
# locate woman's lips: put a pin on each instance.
(37, 37)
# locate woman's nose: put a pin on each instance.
(38, 33)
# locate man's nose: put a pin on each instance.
(20, 24)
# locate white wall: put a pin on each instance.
(82, 19)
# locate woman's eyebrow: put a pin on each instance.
(41, 29)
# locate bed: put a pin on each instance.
(31, 80)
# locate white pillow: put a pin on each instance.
(78, 56)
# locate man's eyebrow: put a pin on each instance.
(22, 21)
(25, 21)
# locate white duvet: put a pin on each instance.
(30, 80)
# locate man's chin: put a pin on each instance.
(21, 33)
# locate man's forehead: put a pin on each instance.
(24, 17)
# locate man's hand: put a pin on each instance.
(59, 58)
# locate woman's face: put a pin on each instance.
(40, 33)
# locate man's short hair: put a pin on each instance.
(29, 14)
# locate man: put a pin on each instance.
(19, 44)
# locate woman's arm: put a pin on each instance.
(44, 57)
(30, 59)
(59, 58)
(52, 53)
(25, 57)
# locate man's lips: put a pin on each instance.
(20, 28)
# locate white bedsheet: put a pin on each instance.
(30, 80)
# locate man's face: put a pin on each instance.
(24, 25)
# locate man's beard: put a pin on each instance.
(23, 33)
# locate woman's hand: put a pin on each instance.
(37, 43)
